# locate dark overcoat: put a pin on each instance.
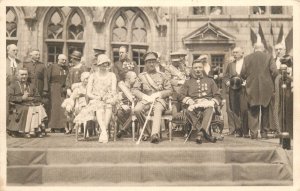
(259, 71)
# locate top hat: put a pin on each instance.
(235, 83)
(287, 59)
(76, 55)
(150, 56)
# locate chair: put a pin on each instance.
(216, 124)
(167, 115)
(77, 126)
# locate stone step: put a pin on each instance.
(133, 173)
(34, 156)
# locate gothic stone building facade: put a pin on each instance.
(200, 30)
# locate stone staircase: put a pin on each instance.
(149, 166)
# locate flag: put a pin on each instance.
(253, 36)
(272, 35)
(261, 34)
(271, 40)
(280, 35)
(289, 41)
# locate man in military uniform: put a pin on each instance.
(151, 86)
(177, 73)
(97, 51)
(124, 65)
(201, 94)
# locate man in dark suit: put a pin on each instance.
(12, 68)
(259, 71)
(12, 63)
(37, 72)
(237, 94)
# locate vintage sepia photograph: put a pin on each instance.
(148, 96)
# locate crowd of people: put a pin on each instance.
(65, 95)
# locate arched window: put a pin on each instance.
(130, 28)
(11, 26)
(64, 32)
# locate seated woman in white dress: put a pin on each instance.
(77, 100)
(101, 90)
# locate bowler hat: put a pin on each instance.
(150, 56)
(76, 54)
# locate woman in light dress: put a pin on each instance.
(101, 90)
(77, 100)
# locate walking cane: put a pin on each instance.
(147, 119)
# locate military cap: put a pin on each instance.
(76, 54)
(200, 58)
(98, 51)
(62, 56)
(175, 59)
(150, 56)
(180, 52)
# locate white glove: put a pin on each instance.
(156, 95)
(216, 76)
(227, 83)
(148, 98)
(125, 107)
(180, 82)
(210, 103)
(69, 108)
(244, 83)
(191, 102)
(69, 92)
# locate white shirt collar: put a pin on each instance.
(239, 65)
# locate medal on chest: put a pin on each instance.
(128, 65)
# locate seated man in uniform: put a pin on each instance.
(177, 73)
(124, 112)
(201, 94)
(151, 87)
(26, 114)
